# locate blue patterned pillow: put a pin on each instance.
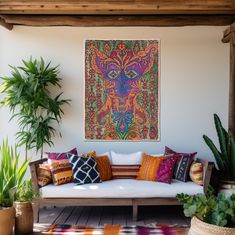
(85, 170)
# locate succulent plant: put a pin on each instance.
(225, 156)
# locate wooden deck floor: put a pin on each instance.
(98, 216)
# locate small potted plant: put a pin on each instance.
(210, 214)
(224, 157)
(24, 209)
(11, 178)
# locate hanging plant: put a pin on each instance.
(27, 93)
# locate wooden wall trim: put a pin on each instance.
(116, 20)
(117, 7)
(229, 37)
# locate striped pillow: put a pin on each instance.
(149, 167)
(183, 163)
(61, 172)
(196, 173)
(104, 167)
(125, 171)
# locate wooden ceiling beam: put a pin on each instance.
(114, 20)
(6, 25)
(121, 7)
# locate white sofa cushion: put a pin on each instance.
(121, 188)
(126, 159)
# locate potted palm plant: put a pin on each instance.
(224, 156)
(11, 178)
(210, 214)
(28, 93)
(24, 209)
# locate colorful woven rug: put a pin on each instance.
(57, 229)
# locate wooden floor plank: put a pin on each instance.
(107, 215)
(62, 218)
(119, 215)
(83, 219)
(95, 216)
(99, 216)
(49, 214)
(75, 215)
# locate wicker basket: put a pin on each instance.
(7, 220)
(24, 218)
(199, 227)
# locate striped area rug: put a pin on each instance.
(59, 229)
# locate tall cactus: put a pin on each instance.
(225, 157)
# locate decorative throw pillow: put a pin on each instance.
(183, 163)
(61, 156)
(89, 154)
(61, 172)
(126, 159)
(196, 172)
(125, 171)
(149, 167)
(44, 174)
(166, 169)
(104, 167)
(85, 170)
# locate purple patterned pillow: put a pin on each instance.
(166, 169)
(183, 163)
(62, 156)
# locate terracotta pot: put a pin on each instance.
(227, 187)
(7, 220)
(199, 227)
(24, 217)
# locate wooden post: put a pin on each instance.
(229, 36)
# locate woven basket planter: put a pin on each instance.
(7, 220)
(199, 227)
(24, 217)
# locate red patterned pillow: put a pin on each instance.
(62, 156)
(183, 163)
(166, 169)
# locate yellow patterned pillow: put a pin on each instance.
(89, 154)
(196, 173)
(149, 167)
(61, 172)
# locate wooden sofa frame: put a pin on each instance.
(134, 202)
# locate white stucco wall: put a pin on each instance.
(194, 81)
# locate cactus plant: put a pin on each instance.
(225, 156)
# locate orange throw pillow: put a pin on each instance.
(104, 167)
(149, 167)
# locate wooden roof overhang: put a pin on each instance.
(128, 13)
(116, 13)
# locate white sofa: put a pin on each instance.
(117, 191)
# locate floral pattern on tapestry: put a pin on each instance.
(122, 90)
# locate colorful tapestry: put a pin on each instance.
(117, 230)
(122, 90)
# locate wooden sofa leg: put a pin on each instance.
(135, 211)
(36, 212)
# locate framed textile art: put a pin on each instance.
(122, 90)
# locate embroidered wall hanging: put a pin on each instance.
(122, 90)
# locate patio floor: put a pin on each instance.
(98, 216)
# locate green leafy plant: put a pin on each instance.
(26, 193)
(225, 157)
(11, 173)
(218, 210)
(29, 97)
